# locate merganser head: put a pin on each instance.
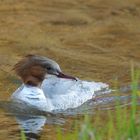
(33, 69)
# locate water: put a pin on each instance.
(92, 40)
(18, 116)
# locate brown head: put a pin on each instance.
(33, 69)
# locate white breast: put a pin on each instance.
(33, 96)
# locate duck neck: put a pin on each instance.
(33, 81)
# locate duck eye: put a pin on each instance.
(48, 68)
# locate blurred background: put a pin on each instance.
(93, 40)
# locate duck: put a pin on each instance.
(47, 88)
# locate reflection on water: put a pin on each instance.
(31, 125)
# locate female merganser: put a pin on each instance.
(56, 92)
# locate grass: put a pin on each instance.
(120, 123)
(23, 137)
